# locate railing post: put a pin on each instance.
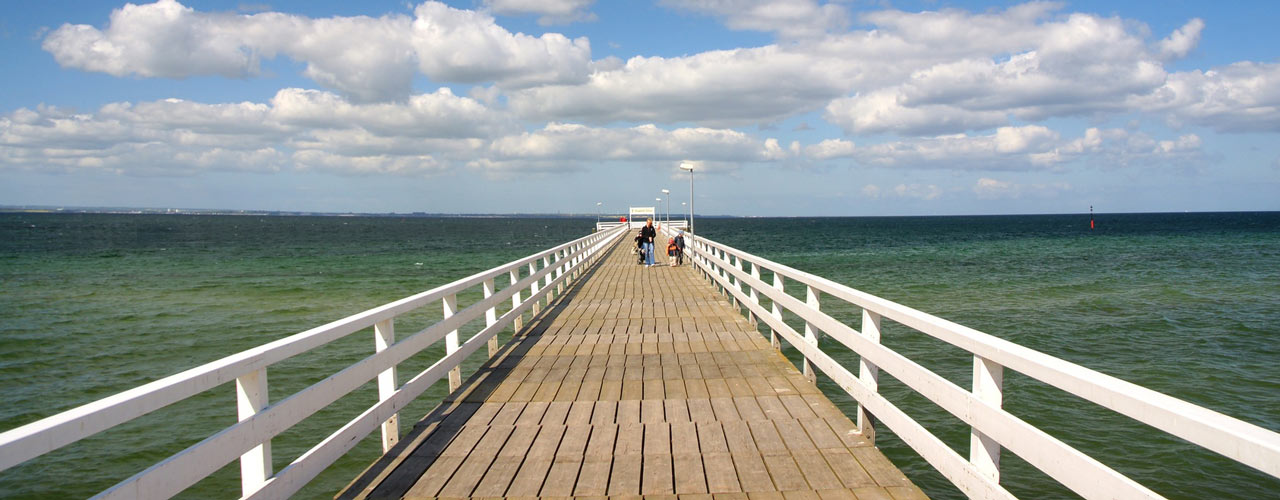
(251, 397)
(514, 275)
(384, 334)
(755, 299)
(733, 260)
(533, 288)
(560, 271)
(491, 316)
(810, 333)
(868, 374)
(777, 313)
(546, 280)
(451, 342)
(988, 381)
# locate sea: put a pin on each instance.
(1187, 304)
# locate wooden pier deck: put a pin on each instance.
(637, 382)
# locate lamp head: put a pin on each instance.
(686, 166)
(666, 191)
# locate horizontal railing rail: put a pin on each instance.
(260, 420)
(739, 274)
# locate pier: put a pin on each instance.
(638, 381)
(621, 380)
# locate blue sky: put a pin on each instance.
(788, 107)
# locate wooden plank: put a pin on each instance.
(786, 475)
(847, 469)
(448, 462)
(700, 410)
(477, 463)
(752, 474)
(766, 437)
(658, 474)
(841, 494)
(624, 479)
(725, 410)
(676, 410)
(816, 471)
(652, 411)
(687, 459)
(821, 435)
(568, 461)
(594, 477)
(721, 476)
(533, 472)
(644, 382)
(879, 467)
(507, 463)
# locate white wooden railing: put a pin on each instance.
(259, 419)
(738, 274)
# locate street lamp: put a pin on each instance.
(598, 205)
(689, 167)
(656, 216)
(667, 194)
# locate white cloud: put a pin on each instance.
(297, 129)
(642, 143)
(787, 18)
(169, 40)
(911, 74)
(1082, 65)
(1183, 40)
(440, 114)
(467, 46)
(551, 11)
(164, 39)
(317, 130)
(992, 189)
(369, 164)
(830, 148)
(1030, 148)
(716, 88)
(1241, 97)
(920, 191)
(884, 112)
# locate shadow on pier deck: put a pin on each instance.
(639, 381)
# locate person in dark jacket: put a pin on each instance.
(679, 250)
(647, 233)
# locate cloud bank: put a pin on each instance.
(901, 90)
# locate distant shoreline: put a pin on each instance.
(299, 213)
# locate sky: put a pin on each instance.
(784, 107)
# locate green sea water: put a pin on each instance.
(1186, 304)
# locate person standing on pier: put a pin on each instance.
(679, 253)
(647, 233)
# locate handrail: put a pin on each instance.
(250, 438)
(992, 427)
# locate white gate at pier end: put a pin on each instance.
(636, 216)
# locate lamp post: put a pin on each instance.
(666, 193)
(689, 167)
(658, 216)
(598, 205)
(684, 207)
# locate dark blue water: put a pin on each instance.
(1186, 304)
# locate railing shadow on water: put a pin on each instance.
(548, 275)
